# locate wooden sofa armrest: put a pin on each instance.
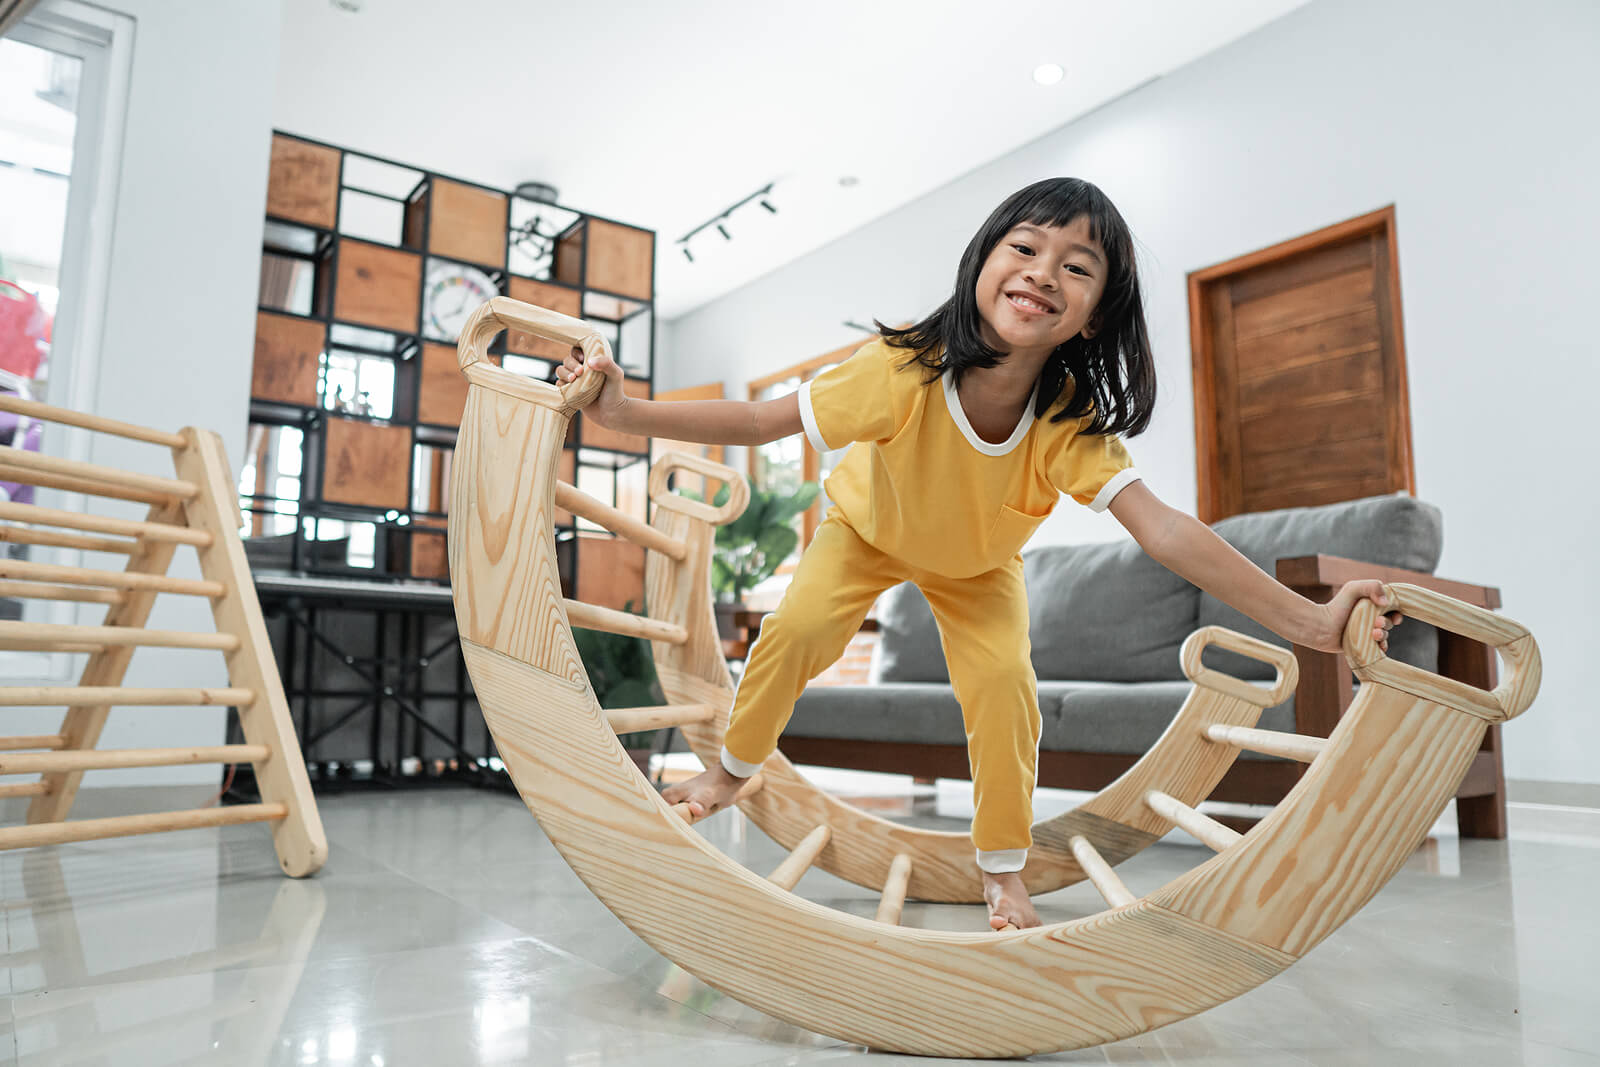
(1302, 572)
(1325, 688)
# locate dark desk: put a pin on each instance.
(375, 681)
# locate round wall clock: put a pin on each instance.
(452, 293)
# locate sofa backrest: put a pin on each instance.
(1395, 530)
(1096, 612)
(1108, 612)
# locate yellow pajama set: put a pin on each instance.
(922, 498)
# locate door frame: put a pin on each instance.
(1207, 492)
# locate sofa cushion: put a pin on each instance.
(1106, 613)
(1129, 719)
(1397, 530)
(1096, 612)
(1115, 717)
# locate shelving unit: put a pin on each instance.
(368, 267)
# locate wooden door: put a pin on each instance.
(1299, 373)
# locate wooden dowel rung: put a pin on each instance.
(72, 520)
(61, 833)
(893, 900)
(1100, 872)
(630, 720)
(34, 634)
(155, 583)
(24, 789)
(618, 522)
(115, 758)
(749, 789)
(66, 417)
(798, 862)
(1271, 742)
(20, 742)
(94, 472)
(42, 591)
(610, 620)
(23, 535)
(102, 696)
(9, 472)
(1203, 827)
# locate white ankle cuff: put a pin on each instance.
(736, 766)
(1002, 861)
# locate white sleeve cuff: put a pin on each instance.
(1002, 861)
(808, 418)
(736, 766)
(1123, 479)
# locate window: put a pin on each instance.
(63, 82)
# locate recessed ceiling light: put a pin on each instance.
(1048, 73)
(849, 180)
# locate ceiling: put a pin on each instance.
(663, 115)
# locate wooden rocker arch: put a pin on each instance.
(1368, 798)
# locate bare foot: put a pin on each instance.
(706, 793)
(1008, 901)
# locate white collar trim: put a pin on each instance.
(952, 401)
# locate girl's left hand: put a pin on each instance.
(1328, 634)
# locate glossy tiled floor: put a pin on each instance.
(445, 929)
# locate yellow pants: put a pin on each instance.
(983, 626)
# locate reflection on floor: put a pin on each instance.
(445, 929)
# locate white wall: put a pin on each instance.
(1476, 121)
(179, 322)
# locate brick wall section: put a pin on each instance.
(854, 667)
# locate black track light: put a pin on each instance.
(769, 207)
(687, 255)
(724, 231)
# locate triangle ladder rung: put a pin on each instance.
(1100, 873)
(798, 862)
(660, 716)
(1299, 747)
(894, 890)
(1207, 829)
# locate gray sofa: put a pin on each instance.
(1106, 625)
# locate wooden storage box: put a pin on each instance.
(288, 359)
(465, 222)
(303, 182)
(366, 464)
(378, 286)
(621, 259)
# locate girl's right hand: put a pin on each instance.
(607, 405)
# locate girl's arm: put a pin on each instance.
(1193, 551)
(712, 422)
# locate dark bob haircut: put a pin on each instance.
(1112, 374)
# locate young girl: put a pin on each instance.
(968, 426)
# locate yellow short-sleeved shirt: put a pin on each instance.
(922, 486)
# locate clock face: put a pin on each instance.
(452, 294)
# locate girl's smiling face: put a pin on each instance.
(1039, 287)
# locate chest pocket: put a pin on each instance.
(1010, 532)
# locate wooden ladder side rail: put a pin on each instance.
(106, 667)
(298, 837)
(1326, 680)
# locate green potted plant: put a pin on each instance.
(622, 672)
(749, 549)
